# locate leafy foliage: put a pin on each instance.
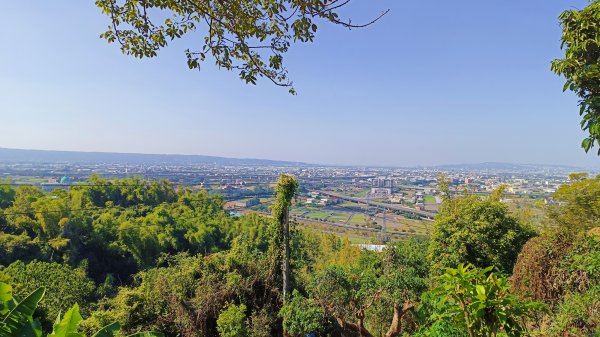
(119, 227)
(578, 314)
(285, 189)
(480, 302)
(581, 66)
(17, 248)
(479, 231)
(579, 204)
(16, 318)
(302, 316)
(557, 263)
(249, 36)
(376, 290)
(7, 194)
(64, 286)
(17, 315)
(187, 295)
(232, 321)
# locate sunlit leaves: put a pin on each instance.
(249, 36)
(581, 66)
(479, 301)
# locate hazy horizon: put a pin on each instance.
(311, 163)
(432, 83)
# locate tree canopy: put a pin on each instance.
(578, 203)
(145, 255)
(581, 66)
(249, 36)
(480, 231)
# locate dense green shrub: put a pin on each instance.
(479, 302)
(556, 263)
(374, 292)
(186, 295)
(302, 316)
(17, 248)
(479, 231)
(578, 314)
(232, 321)
(64, 286)
(17, 318)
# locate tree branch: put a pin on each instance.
(399, 313)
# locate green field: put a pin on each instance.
(358, 218)
(318, 214)
(298, 211)
(28, 180)
(352, 204)
(429, 199)
(338, 217)
(361, 194)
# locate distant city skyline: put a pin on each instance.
(432, 83)
(18, 155)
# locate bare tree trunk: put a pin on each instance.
(349, 328)
(286, 257)
(396, 325)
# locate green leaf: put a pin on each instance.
(480, 292)
(108, 331)
(27, 306)
(19, 321)
(5, 297)
(147, 334)
(68, 325)
(33, 329)
(586, 144)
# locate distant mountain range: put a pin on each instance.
(508, 167)
(47, 156)
(76, 157)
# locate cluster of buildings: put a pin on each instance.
(381, 187)
(315, 198)
(399, 185)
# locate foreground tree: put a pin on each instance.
(286, 189)
(373, 295)
(16, 318)
(250, 36)
(556, 263)
(581, 66)
(479, 302)
(477, 231)
(60, 293)
(579, 204)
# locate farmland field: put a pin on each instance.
(358, 218)
(429, 199)
(317, 214)
(360, 194)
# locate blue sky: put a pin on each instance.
(434, 82)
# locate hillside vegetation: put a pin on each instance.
(149, 256)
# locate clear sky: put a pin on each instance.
(434, 82)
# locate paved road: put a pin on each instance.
(428, 215)
(332, 224)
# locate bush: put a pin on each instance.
(17, 247)
(556, 263)
(479, 301)
(301, 316)
(232, 321)
(477, 231)
(64, 285)
(578, 314)
(17, 318)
